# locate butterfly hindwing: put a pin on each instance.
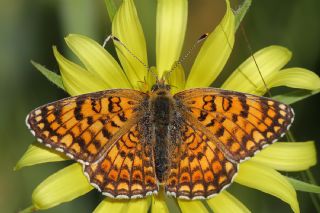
(198, 169)
(127, 169)
(82, 126)
(241, 124)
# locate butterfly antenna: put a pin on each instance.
(116, 39)
(244, 34)
(177, 63)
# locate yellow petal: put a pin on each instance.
(214, 53)
(77, 80)
(246, 77)
(225, 202)
(177, 79)
(268, 180)
(288, 156)
(63, 186)
(296, 78)
(139, 205)
(171, 27)
(122, 206)
(112, 205)
(158, 204)
(36, 154)
(98, 61)
(126, 26)
(191, 206)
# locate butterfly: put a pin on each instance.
(130, 143)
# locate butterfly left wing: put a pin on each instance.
(127, 170)
(241, 124)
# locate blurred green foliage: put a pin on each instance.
(28, 29)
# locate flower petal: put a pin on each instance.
(126, 26)
(77, 80)
(296, 78)
(177, 79)
(214, 53)
(139, 205)
(158, 204)
(134, 205)
(225, 202)
(268, 180)
(111, 205)
(288, 156)
(171, 27)
(63, 186)
(191, 206)
(98, 61)
(36, 155)
(270, 60)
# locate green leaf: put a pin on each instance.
(111, 8)
(303, 186)
(51, 76)
(241, 12)
(295, 96)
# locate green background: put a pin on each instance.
(28, 29)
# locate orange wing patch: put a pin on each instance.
(242, 124)
(127, 170)
(198, 168)
(81, 126)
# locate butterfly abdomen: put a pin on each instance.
(161, 105)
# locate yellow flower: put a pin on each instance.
(101, 71)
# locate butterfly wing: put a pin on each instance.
(127, 170)
(198, 169)
(219, 129)
(85, 126)
(241, 124)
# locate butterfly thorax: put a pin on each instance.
(162, 108)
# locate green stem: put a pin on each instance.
(29, 209)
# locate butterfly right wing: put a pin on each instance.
(198, 168)
(83, 126)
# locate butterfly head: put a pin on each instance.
(160, 85)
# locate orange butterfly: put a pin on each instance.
(130, 142)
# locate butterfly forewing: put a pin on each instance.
(240, 124)
(82, 126)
